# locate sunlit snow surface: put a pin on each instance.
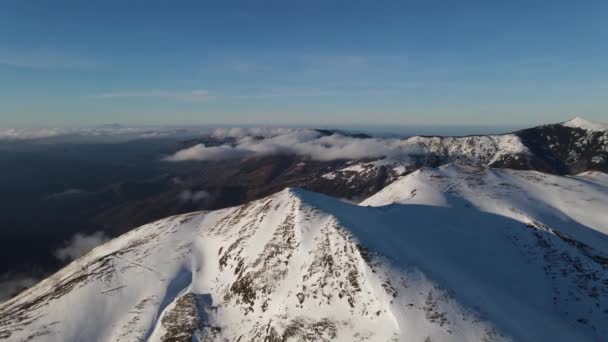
(575, 205)
(585, 124)
(448, 254)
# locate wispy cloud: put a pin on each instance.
(247, 67)
(198, 95)
(289, 63)
(111, 132)
(44, 58)
(187, 95)
(193, 196)
(29, 134)
(79, 245)
(331, 62)
(332, 89)
(266, 92)
(288, 91)
(11, 284)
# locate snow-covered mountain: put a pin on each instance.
(575, 205)
(488, 150)
(587, 125)
(449, 254)
(476, 238)
(569, 147)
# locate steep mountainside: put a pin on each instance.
(565, 148)
(505, 150)
(570, 147)
(300, 266)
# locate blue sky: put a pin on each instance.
(302, 62)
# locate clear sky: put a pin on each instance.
(292, 62)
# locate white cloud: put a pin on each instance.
(44, 58)
(314, 145)
(29, 134)
(303, 142)
(110, 132)
(200, 152)
(67, 193)
(201, 95)
(193, 196)
(240, 132)
(79, 245)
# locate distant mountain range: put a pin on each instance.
(566, 148)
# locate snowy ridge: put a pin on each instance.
(492, 150)
(572, 204)
(473, 150)
(594, 176)
(586, 125)
(299, 266)
(380, 171)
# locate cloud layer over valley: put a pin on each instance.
(305, 142)
(111, 132)
(324, 146)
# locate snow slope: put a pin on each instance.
(300, 266)
(594, 176)
(574, 205)
(586, 124)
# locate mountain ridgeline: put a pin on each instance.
(571, 147)
(476, 238)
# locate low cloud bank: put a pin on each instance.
(266, 132)
(79, 245)
(101, 133)
(304, 142)
(11, 134)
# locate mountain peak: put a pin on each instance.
(579, 122)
